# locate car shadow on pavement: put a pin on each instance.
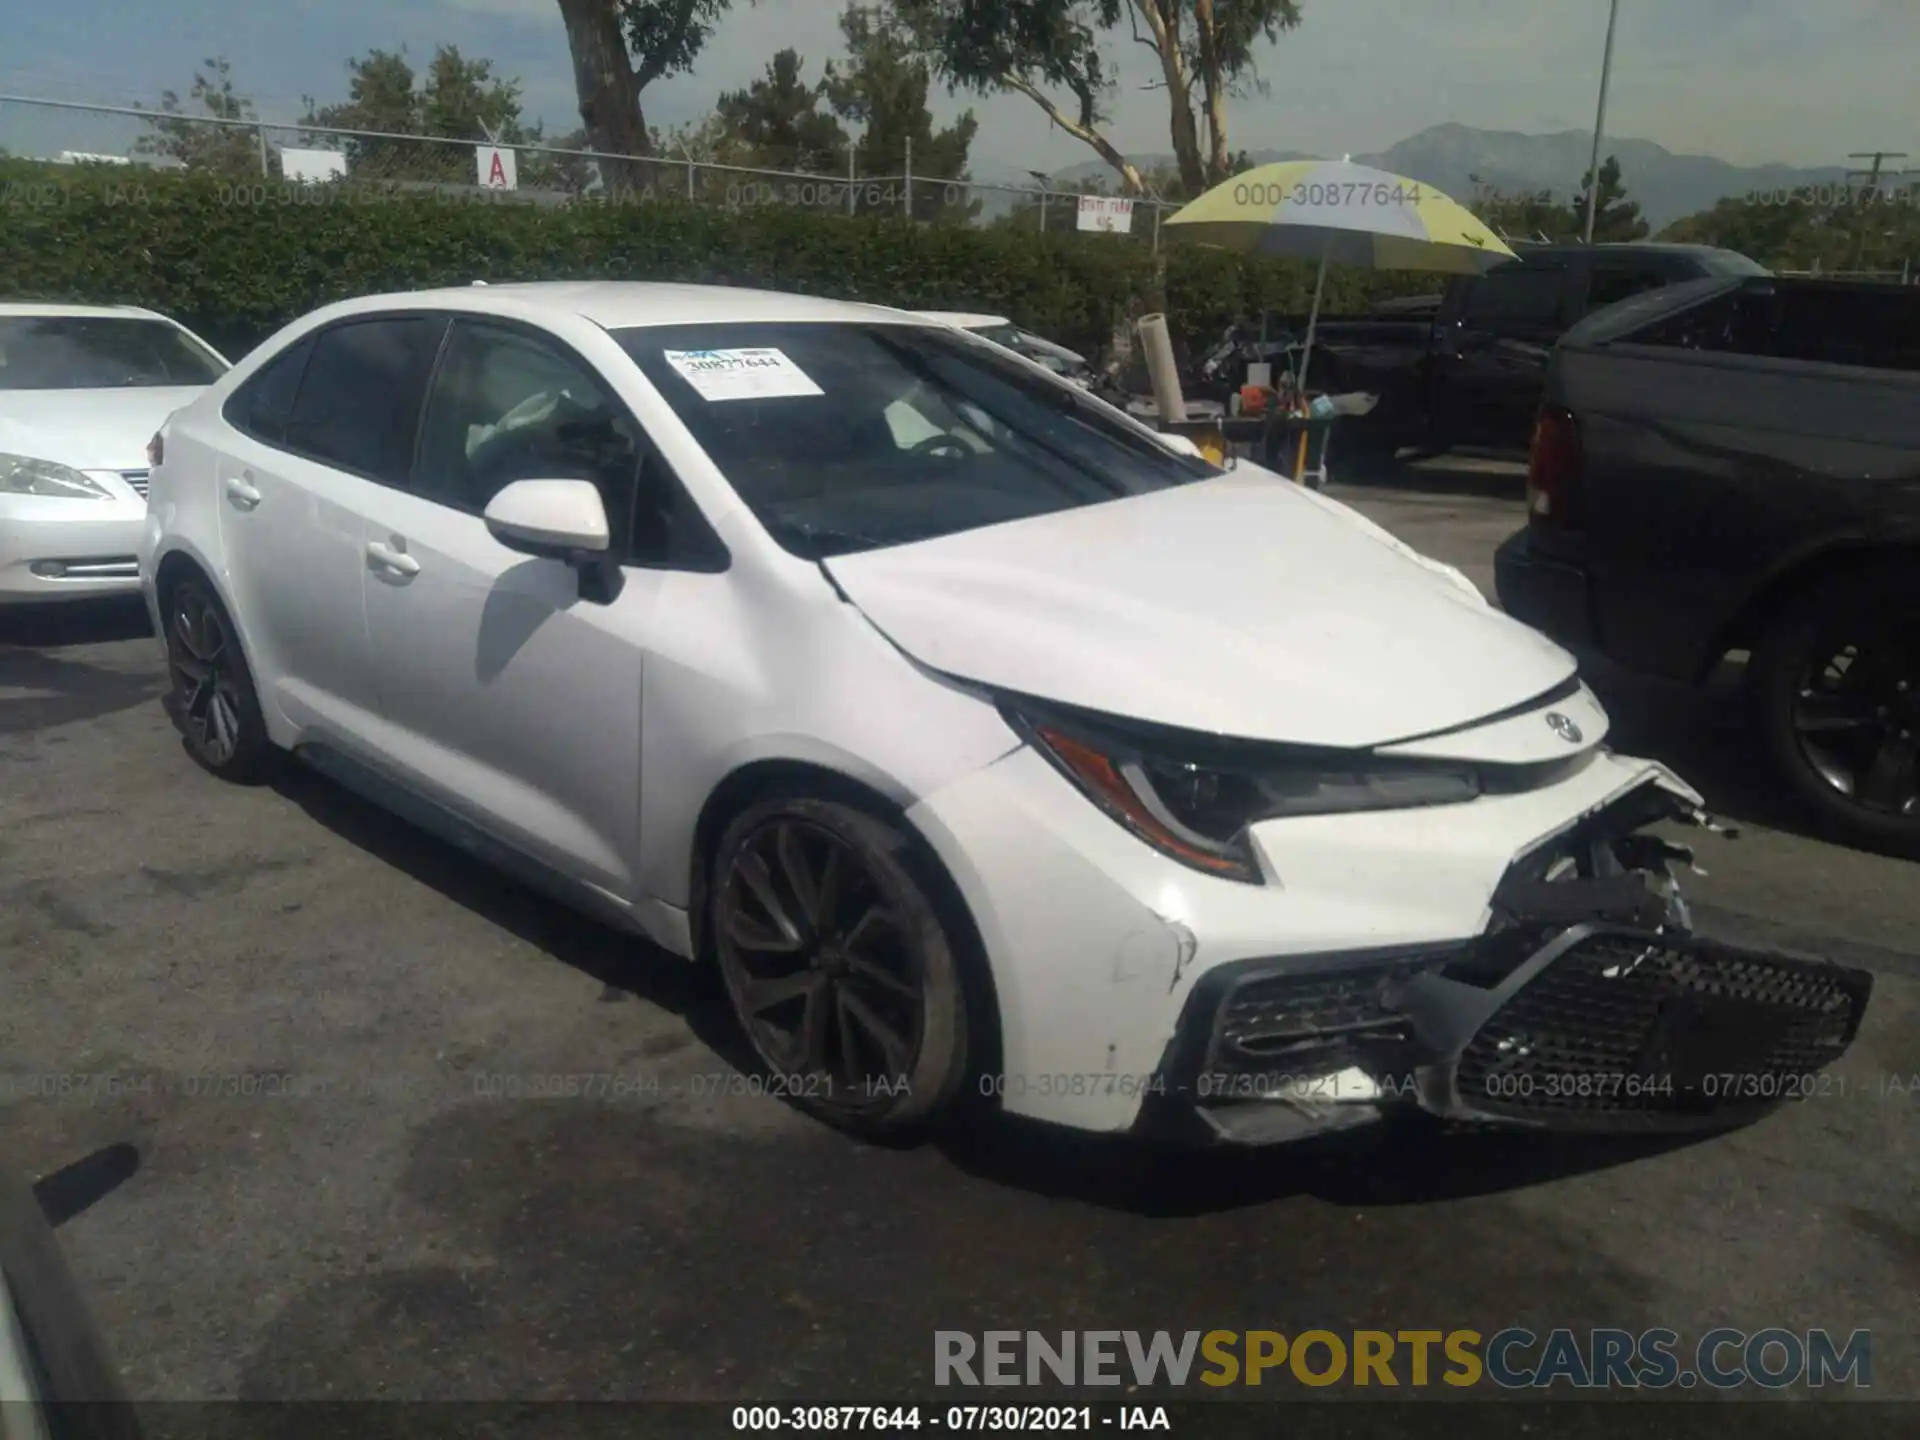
(59, 691)
(1489, 477)
(94, 622)
(1708, 735)
(1399, 1161)
(624, 964)
(55, 689)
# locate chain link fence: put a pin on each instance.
(1903, 276)
(274, 162)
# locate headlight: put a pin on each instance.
(23, 475)
(1193, 797)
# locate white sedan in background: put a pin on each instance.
(82, 390)
(989, 745)
(1002, 331)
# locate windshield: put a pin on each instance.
(846, 437)
(100, 352)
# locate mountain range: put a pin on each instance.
(1666, 186)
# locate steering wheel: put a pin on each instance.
(941, 445)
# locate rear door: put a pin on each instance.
(1490, 361)
(293, 483)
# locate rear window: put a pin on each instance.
(100, 352)
(846, 437)
(1875, 327)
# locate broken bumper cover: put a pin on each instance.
(1602, 1029)
(1587, 1005)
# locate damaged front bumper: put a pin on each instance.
(1588, 1003)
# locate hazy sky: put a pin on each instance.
(1800, 81)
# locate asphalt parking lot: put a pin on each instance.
(382, 1228)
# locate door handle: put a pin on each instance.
(385, 557)
(241, 493)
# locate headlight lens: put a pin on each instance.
(23, 475)
(1194, 799)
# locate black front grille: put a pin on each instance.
(138, 480)
(1631, 1022)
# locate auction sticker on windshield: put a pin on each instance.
(764, 374)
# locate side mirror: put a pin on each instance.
(553, 519)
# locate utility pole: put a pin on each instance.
(1872, 187)
(1600, 122)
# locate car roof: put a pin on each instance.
(625, 304)
(965, 319)
(1524, 248)
(59, 308)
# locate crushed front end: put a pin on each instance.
(1587, 1003)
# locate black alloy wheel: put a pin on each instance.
(1839, 674)
(837, 965)
(212, 701)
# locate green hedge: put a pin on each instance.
(237, 259)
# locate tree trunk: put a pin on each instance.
(1186, 140)
(1086, 134)
(609, 92)
(1162, 19)
(1214, 89)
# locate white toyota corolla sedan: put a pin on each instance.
(82, 389)
(991, 745)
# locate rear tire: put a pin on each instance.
(1837, 680)
(212, 701)
(844, 981)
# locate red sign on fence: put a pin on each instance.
(496, 168)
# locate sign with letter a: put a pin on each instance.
(496, 168)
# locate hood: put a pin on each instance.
(1242, 606)
(89, 429)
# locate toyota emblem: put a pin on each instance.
(1564, 727)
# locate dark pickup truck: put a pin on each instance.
(1734, 465)
(1470, 373)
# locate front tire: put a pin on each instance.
(839, 970)
(212, 701)
(1837, 679)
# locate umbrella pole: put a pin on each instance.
(1313, 317)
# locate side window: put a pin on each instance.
(508, 406)
(1743, 323)
(668, 528)
(260, 406)
(1876, 327)
(1879, 329)
(1612, 284)
(359, 402)
(1529, 294)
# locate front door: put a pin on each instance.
(505, 695)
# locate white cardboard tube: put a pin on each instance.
(1161, 370)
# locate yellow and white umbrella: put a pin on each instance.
(1336, 211)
